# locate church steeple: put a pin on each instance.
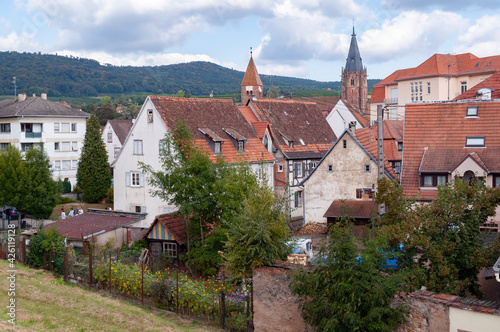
(354, 62)
(251, 86)
(354, 78)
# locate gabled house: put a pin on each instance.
(343, 116)
(345, 177)
(442, 77)
(297, 134)
(113, 135)
(447, 139)
(216, 126)
(167, 235)
(27, 122)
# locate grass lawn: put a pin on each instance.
(56, 213)
(46, 303)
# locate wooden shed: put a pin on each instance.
(167, 235)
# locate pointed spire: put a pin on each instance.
(354, 62)
(252, 77)
(353, 33)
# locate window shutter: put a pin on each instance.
(141, 179)
(295, 169)
(143, 209)
(296, 199)
(132, 208)
(127, 179)
(359, 193)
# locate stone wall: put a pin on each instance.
(425, 315)
(274, 306)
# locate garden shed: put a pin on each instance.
(167, 235)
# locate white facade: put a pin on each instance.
(340, 117)
(61, 137)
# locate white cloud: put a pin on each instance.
(410, 33)
(15, 42)
(481, 38)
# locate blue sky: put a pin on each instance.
(299, 38)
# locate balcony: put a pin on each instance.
(390, 101)
(33, 135)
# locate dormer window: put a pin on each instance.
(474, 141)
(241, 146)
(472, 111)
(217, 148)
(301, 141)
(400, 146)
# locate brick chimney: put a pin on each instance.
(44, 96)
(352, 127)
(21, 97)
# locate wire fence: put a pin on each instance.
(153, 280)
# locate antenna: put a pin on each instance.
(251, 51)
(15, 87)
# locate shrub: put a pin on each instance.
(45, 241)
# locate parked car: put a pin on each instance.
(10, 212)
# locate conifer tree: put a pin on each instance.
(93, 175)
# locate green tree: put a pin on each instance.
(208, 194)
(260, 234)
(13, 177)
(93, 175)
(43, 190)
(347, 291)
(444, 233)
(180, 94)
(45, 241)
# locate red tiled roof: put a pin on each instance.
(251, 77)
(213, 116)
(392, 78)
(325, 103)
(363, 119)
(378, 94)
(260, 128)
(248, 114)
(295, 121)
(354, 208)
(443, 128)
(492, 82)
(174, 223)
(121, 128)
(93, 222)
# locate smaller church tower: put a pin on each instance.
(251, 86)
(354, 80)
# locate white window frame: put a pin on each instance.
(57, 146)
(241, 146)
(475, 141)
(135, 179)
(299, 172)
(65, 164)
(57, 127)
(170, 249)
(73, 128)
(57, 164)
(4, 127)
(65, 130)
(298, 198)
(367, 168)
(217, 148)
(138, 147)
(472, 111)
(280, 168)
(116, 151)
(110, 136)
(74, 146)
(74, 164)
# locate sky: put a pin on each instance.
(298, 38)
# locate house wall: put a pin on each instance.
(48, 139)
(274, 305)
(340, 117)
(425, 315)
(466, 320)
(469, 165)
(127, 198)
(110, 146)
(323, 187)
(119, 235)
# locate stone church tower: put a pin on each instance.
(251, 86)
(354, 80)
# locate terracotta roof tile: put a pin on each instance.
(325, 103)
(248, 114)
(363, 119)
(121, 128)
(299, 122)
(355, 208)
(378, 94)
(443, 128)
(174, 223)
(213, 116)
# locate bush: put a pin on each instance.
(45, 241)
(66, 186)
(64, 200)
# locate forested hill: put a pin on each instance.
(78, 77)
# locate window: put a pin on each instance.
(330, 168)
(137, 146)
(266, 142)
(471, 110)
(57, 127)
(280, 168)
(74, 146)
(241, 146)
(474, 141)
(135, 179)
(433, 180)
(73, 127)
(150, 115)
(4, 146)
(344, 144)
(66, 164)
(57, 146)
(367, 168)
(4, 127)
(400, 146)
(65, 127)
(170, 249)
(298, 198)
(110, 137)
(420, 83)
(117, 151)
(65, 146)
(428, 87)
(298, 170)
(364, 193)
(352, 81)
(217, 149)
(74, 164)
(496, 181)
(26, 127)
(26, 146)
(398, 167)
(57, 164)
(463, 87)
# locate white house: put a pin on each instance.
(113, 135)
(341, 118)
(25, 122)
(216, 126)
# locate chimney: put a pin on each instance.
(352, 127)
(44, 95)
(21, 97)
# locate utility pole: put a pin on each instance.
(380, 142)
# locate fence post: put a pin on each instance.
(66, 264)
(222, 309)
(44, 260)
(90, 268)
(177, 292)
(51, 260)
(119, 249)
(142, 284)
(109, 280)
